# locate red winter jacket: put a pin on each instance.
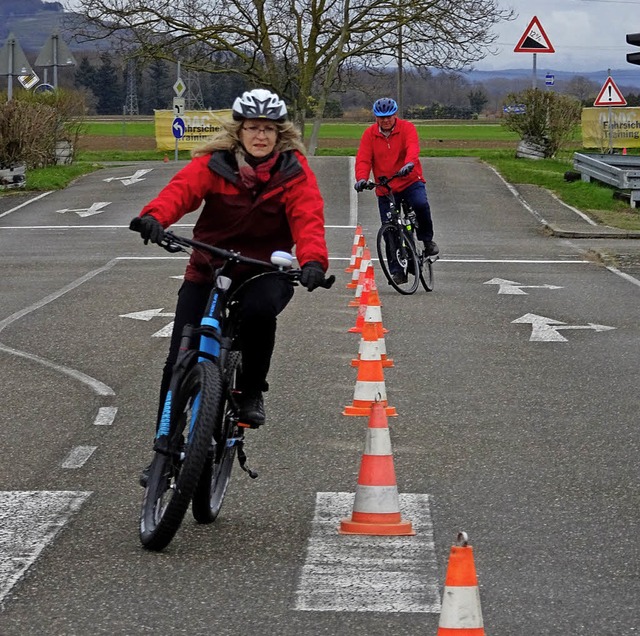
(289, 210)
(384, 156)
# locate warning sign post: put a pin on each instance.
(534, 40)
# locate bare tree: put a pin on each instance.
(298, 48)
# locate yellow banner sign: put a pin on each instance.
(623, 131)
(196, 126)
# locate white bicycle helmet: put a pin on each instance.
(259, 104)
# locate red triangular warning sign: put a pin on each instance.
(534, 39)
(610, 95)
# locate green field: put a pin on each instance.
(467, 131)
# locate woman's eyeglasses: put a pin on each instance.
(268, 131)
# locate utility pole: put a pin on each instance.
(131, 99)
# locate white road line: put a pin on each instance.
(40, 196)
(627, 277)
(100, 388)
(354, 573)
(29, 521)
(105, 416)
(78, 456)
(353, 195)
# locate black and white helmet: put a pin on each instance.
(259, 104)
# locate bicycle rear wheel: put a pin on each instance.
(426, 272)
(216, 474)
(398, 258)
(174, 476)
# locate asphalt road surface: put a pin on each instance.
(517, 392)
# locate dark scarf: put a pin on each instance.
(254, 174)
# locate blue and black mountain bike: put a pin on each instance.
(199, 435)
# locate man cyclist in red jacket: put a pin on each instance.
(391, 145)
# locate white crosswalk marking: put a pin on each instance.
(29, 521)
(355, 573)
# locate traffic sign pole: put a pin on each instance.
(534, 40)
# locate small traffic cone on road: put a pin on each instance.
(372, 345)
(362, 268)
(461, 614)
(376, 506)
(356, 250)
(366, 281)
(166, 159)
(371, 312)
(370, 388)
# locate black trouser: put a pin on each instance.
(260, 301)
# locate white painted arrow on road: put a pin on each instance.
(96, 208)
(513, 288)
(149, 314)
(130, 180)
(546, 329)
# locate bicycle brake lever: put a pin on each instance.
(328, 282)
(172, 247)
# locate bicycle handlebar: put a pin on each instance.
(382, 181)
(174, 243)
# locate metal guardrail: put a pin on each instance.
(621, 171)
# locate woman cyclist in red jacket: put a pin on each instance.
(259, 196)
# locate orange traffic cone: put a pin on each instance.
(365, 282)
(371, 345)
(356, 250)
(166, 159)
(376, 506)
(461, 613)
(370, 388)
(371, 312)
(362, 268)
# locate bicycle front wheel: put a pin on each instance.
(398, 258)
(174, 475)
(216, 474)
(426, 273)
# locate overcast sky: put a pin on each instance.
(587, 35)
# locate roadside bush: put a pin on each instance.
(543, 118)
(27, 134)
(32, 123)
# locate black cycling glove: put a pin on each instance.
(360, 185)
(312, 275)
(150, 228)
(406, 169)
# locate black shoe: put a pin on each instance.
(399, 278)
(430, 249)
(251, 409)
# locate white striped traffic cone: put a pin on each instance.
(461, 614)
(376, 506)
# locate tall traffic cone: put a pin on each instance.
(372, 345)
(376, 506)
(370, 388)
(461, 613)
(356, 250)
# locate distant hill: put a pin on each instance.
(629, 77)
(33, 30)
